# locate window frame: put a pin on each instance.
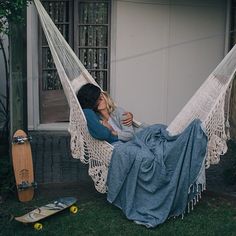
(73, 41)
(55, 96)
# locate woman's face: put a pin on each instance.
(102, 104)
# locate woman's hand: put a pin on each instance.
(114, 133)
(128, 119)
(106, 124)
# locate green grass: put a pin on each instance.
(214, 215)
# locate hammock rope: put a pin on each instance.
(210, 104)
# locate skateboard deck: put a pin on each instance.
(23, 166)
(48, 210)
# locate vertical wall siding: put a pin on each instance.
(164, 51)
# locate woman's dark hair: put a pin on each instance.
(88, 96)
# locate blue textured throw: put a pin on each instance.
(152, 177)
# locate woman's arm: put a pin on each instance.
(126, 132)
(96, 129)
(106, 124)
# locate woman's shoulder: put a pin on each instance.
(89, 112)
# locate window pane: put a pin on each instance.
(93, 58)
(47, 59)
(93, 13)
(92, 38)
(100, 77)
(59, 12)
(51, 80)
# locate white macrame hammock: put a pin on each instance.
(210, 104)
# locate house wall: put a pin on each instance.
(161, 52)
(164, 50)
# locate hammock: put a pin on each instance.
(210, 104)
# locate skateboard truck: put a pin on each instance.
(25, 185)
(21, 139)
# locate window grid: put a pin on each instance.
(89, 37)
(59, 11)
(92, 30)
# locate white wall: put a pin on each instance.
(162, 51)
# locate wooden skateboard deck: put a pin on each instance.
(23, 166)
(47, 210)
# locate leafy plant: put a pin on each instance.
(11, 12)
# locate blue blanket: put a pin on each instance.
(152, 177)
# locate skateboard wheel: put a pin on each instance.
(74, 209)
(38, 226)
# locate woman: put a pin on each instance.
(97, 115)
(112, 117)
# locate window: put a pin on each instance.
(86, 27)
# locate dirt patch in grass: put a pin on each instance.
(84, 192)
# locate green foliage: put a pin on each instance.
(11, 12)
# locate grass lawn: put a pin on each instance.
(213, 215)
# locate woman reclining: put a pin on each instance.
(154, 176)
(105, 120)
